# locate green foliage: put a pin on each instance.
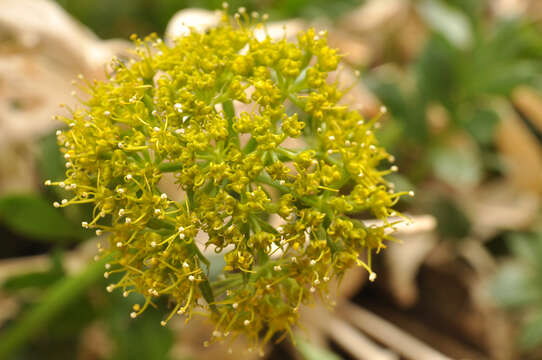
(465, 74)
(32, 216)
(142, 339)
(121, 18)
(309, 351)
(40, 279)
(452, 221)
(456, 166)
(518, 285)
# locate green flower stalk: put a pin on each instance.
(172, 110)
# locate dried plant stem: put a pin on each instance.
(390, 335)
(348, 337)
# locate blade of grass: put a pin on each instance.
(57, 298)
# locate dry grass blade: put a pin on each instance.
(390, 335)
(347, 337)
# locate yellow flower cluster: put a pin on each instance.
(173, 111)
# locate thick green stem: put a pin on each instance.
(60, 295)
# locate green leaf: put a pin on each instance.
(512, 287)
(458, 167)
(37, 279)
(452, 221)
(143, 338)
(531, 335)
(481, 124)
(34, 217)
(448, 21)
(51, 162)
(311, 352)
(438, 72)
(54, 301)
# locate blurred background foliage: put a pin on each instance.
(461, 81)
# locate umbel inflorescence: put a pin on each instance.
(173, 111)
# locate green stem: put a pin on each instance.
(60, 295)
(170, 167)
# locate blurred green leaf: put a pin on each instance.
(527, 247)
(531, 335)
(437, 71)
(143, 338)
(448, 21)
(511, 287)
(51, 162)
(312, 352)
(51, 304)
(452, 221)
(518, 285)
(34, 217)
(481, 124)
(37, 279)
(457, 167)
(401, 182)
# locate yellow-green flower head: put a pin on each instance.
(173, 110)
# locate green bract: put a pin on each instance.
(172, 111)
